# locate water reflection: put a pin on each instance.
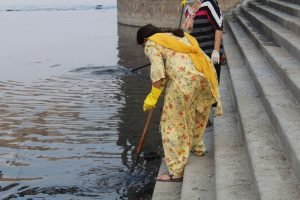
(59, 127)
(70, 133)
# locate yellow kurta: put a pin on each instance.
(187, 104)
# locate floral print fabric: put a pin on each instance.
(187, 104)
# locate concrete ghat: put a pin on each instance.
(257, 142)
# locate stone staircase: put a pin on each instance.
(254, 148)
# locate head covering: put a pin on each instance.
(201, 61)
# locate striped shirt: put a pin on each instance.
(207, 20)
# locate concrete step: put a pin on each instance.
(199, 175)
(284, 6)
(284, 64)
(285, 19)
(291, 1)
(166, 190)
(282, 107)
(232, 172)
(282, 36)
(273, 176)
(198, 181)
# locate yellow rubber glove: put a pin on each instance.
(183, 2)
(152, 98)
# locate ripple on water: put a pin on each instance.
(58, 127)
(68, 126)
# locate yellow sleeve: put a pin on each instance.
(154, 52)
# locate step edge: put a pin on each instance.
(251, 159)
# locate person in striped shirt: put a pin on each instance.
(204, 21)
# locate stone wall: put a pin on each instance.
(162, 13)
(227, 5)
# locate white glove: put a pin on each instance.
(215, 57)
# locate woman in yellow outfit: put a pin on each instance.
(190, 90)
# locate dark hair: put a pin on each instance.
(149, 30)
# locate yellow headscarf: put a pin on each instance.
(200, 60)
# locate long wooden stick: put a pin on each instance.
(144, 134)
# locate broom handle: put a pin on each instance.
(143, 137)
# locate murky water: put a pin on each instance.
(70, 109)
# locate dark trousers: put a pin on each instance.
(218, 71)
